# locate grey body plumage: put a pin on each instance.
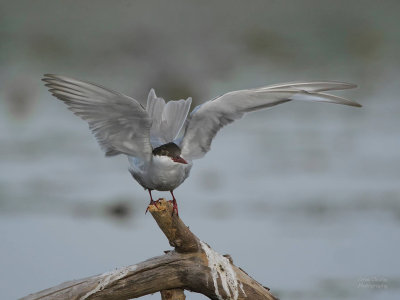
(149, 136)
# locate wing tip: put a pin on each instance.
(352, 85)
(355, 104)
(49, 76)
(344, 85)
(152, 93)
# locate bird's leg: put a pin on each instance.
(174, 203)
(152, 202)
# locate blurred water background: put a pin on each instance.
(305, 197)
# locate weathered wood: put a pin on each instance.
(193, 266)
(177, 233)
(175, 294)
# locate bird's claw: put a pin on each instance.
(174, 207)
(152, 202)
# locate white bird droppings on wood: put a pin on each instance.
(106, 278)
(221, 267)
(241, 287)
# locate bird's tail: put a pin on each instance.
(168, 118)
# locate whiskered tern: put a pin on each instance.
(161, 140)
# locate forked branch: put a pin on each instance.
(192, 265)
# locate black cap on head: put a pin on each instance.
(169, 149)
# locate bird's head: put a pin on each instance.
(170, 150)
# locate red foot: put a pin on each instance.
(152, 202)
(173, 201)
(175, 208)
(175, 205)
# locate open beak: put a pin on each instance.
(179, 160)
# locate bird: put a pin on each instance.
(162, 139)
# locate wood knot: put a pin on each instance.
(176, 243)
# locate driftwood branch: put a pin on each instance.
(192, 266)
(176, 294)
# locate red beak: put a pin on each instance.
(179, 160)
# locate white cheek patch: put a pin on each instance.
(221, 267)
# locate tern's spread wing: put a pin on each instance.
(206, 119)
(120, 123)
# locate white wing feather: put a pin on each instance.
(119, 122)
(168, 118)
(207, 119)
